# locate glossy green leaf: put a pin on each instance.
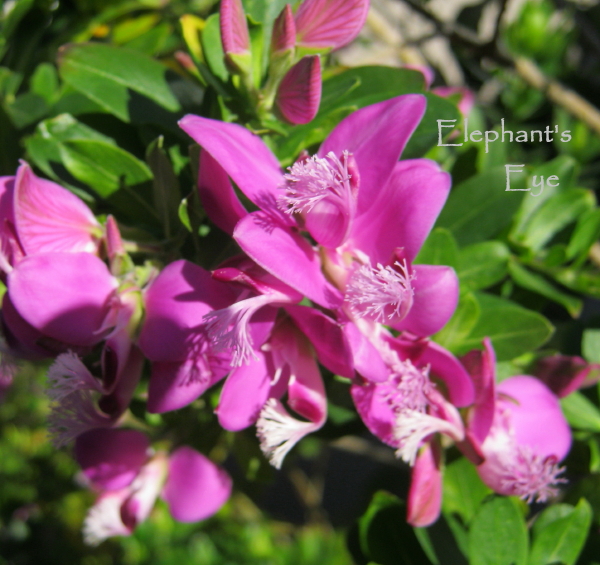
(561, 540)
(555, 214)
(498, 535)
(102, 166)
(385, 537)
(440, 248)
(537, 283)
(514, 330)
(590, 345)
(483, 264)
(111, 75)
(565, 168)
(587, 231)
(458, 328)
(580, 412)
(480, 207)
(463, 490)
(212, 48)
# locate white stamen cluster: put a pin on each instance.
(380, 293)
(67, 375)
(313, 179)
(278, 432)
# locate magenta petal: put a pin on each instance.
(299, 93)
(244, 157)
(177, 384)
(175, 305)
(330, 23)
(217, 195)
(376, 135)
(66, 296)
(536, 404)
(425, 494)
(244, 394)
(367, 360)
(327, 337)
(434, 302)
(375, 411)
(286, 255)
(196, 488)
(50, 218)
(482, 368)
(284, 32)
(234, 29)
(446, 367)
(111, 458)
(404, 211)
(22, 338)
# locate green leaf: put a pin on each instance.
(264, 11)
(587, 231)
(110, 75)
(560, 540)
(440, 248)
(480, 207)
(555, 214)
(590, 346)
(452, 335)
(213, 48)
(426, 135)
(90, 157)
(498, 535)
(463, 489)
(537, 283)
(483, 264)
(44, 82)
(514, 330)
(385, 537)
(565, 168)
(102, 166)
(580, 412)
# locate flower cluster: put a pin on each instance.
(327, 274)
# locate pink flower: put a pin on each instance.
(529, 436)
(129, 476)
(347, 197)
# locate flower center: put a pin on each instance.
(380, 293)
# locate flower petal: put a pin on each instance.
(175, 304)
(217, 195)
(434, 301)
(244, 157)
(50, 218)
(196, 488)
(327, 337)
(244, 394)
(376, 136)
(66, 296)
(404, 211)
(111, 458)
(286, 255)
(330, 23)
(425, 495)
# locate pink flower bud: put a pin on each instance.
(299, 93)
(234, 29)
(324, 24)
(284, 31)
